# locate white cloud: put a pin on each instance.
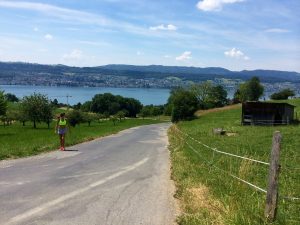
(139, 53)
(73, 16)
(48, 37)
(55, 11)
(276, 30)
(235, 53)
(75, 54)
(36, 29)
(214, 5)
(184, 56)
(170, 27)
(167, 56)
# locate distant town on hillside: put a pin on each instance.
(153, 76)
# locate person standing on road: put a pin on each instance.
(61, 129)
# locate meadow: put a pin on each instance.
(21, 141)
(207, 192)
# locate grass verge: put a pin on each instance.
(21, 141)
(209, 195)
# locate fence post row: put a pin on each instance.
(272, 190)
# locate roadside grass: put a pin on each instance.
(208, 195)
(21, 141)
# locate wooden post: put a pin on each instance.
(272, 191)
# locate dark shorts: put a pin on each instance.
(62, 131)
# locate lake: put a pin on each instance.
(82, 94)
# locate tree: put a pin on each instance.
(133, 106)
(218, 96)
(209, 95)
(102, 103)
(251, 90)
(86, 107)
(145, 112)
(184, 103)
(11, 97)
(3, 104)
(120, 115)
(168, 109)
(89, 117)
(75, 117)
(203, 93)
(283, 94)
(22, 117)
(37, 108)
(114, 119)
(255, 89)
(111, 104)
(11, 115)
(55, 103)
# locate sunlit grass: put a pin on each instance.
(237, 203)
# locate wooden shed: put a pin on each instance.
(267, 113)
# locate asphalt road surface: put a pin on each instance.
(120, 179)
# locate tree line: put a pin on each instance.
(39, 108)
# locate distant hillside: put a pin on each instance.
(265, 75)
(144, 72)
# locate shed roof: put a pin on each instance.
(252, 103)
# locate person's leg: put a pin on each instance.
(63, 141)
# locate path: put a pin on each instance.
(120, 179)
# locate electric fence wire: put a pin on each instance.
(228, 173)
(222, 152)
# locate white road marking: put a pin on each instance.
(82, 175)
(13, 183)
(150, 142)
(73, 194)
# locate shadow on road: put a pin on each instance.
(71, 150)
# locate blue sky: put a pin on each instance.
(234, 34)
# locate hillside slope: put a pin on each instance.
(206, 187)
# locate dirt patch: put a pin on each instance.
(204, 112)
(199, 200)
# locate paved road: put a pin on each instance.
(120, 179)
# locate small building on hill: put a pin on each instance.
(267, 113)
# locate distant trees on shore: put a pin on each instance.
(283, 94)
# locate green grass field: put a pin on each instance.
(18, 141)
(208, 194)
